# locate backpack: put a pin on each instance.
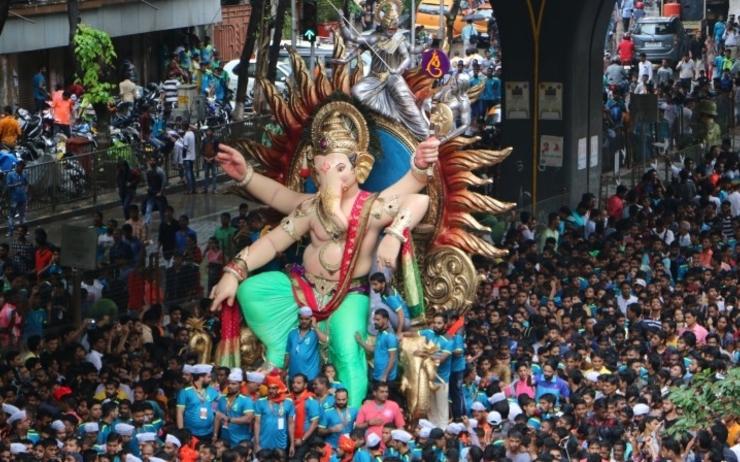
(135, 176)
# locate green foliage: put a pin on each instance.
(95, 54)
(325, 13)
(705, 400)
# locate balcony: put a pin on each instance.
(42, 24)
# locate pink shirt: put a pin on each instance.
(699, 332)
(389, 412)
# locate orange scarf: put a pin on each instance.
(299, 401)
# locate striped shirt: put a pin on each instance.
(170, 87)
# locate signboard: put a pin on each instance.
(435, 63)
(79, 247)
(551, 151)
(550, 101)
(517, 100)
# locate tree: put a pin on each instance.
(706, 399)
(4, 12)
(450, 23)
(255, 19)
(282, 9)
(73, 19)
(95, 54)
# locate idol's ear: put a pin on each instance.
(364, 166)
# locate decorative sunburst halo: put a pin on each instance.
(450, 220)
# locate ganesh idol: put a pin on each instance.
(349, 231)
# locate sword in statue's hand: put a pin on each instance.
(355, 31)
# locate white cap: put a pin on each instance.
(202, 369)
(640, 282)
(91, 427)
(187, 369)
(640, 409)
(372, 440)
(514, 410)
(173, 440)
(593, 376)
(452, 429)
(401, 435)
(132, 458)
(57, 426)
(124, 429)
(156, 459)
(10, 409)
(236, 375)
(472, 423)
(424, 432)
(424, 423)
(146, 437)
(20, 415)
(496, 397)
(305, 312)
(255, 377)
(18, 448)
(494, 418)
(478, 406)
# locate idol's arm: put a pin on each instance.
(265, 190)
(411, 211)
(416, 179)
(261, 252)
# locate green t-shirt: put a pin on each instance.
(224, 237)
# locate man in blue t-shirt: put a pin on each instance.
(235, 411)
(40, 93)
(400, 316)
(385, 350)
(16, 183)
(195, 404)
(302, 349)
(339, 420)
(439, 406)
(274, 419)
(457, 369)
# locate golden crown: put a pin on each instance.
(339, 127)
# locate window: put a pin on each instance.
(656, 28)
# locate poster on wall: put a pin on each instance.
(595, 151)
(551, 151)
(582, 153)
(550, 96)
(517, 100)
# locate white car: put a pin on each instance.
(281, 82)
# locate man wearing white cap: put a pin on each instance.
(22, 427)
(235, 412)
(302, 350)
(254, 380)
(172, 445)
(399, 445)
(195, 409)
(371, 451)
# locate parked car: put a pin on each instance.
(661, 38)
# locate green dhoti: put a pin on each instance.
(271, 311)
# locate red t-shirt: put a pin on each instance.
(42, 258)
(389, 412)
(626, 50)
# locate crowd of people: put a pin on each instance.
(569, 351)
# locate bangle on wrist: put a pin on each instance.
(420, 172)
(247, 177)
(395, 233)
